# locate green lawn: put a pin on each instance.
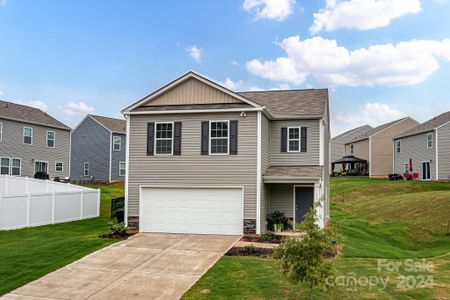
(27, 254)
(378, 220)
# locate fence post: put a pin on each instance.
(81, 206)
(53, 206)
(28, 208)
(98, 202)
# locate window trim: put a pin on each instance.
(405, 168)
(164, 139)
(41, 161)
(352, 148)
(428, 140)
(47, 139)
(299, 139)
(398, 146)
(86, 169)
(125, 169)
(62, 166)
(119, 138)
(31, 136)
(9, 165)
(210, 138)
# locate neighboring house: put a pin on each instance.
(32, 141)
(375, 146)
(337, 144)
(428, 146)
(204, 159)
(98, 150)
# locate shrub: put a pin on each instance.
(117, 228)
(250, 249)
(277, 217)
(267, 237)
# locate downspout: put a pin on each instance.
(127, 163)
(436, 144)
(258, 173)
(110, 155)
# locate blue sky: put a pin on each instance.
(74, 57)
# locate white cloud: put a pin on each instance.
(373, 114)
(277, 10)
(235, 63)
(195, 53)
(2, 93)
(3, 2)
(239, 85)
(404, 63)
(79, 108)
(34, 103)
(361, 14)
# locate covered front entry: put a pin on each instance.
(199, 210)
(304, 201)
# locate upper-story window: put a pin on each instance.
(28, 135)
(163, 138)
(397, 146)
(294, 139)
(86, 169)
(429, 140)
(51, 139)
(219, 137)
(117, 143)
(352, 148)
(1, 131)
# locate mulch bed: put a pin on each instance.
(122, 236)
(256, 239)
(242, 251)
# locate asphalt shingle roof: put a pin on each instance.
(28, 114)
(375, 130)
(115, 125)
(350, 131)
(295, 171)
(429, 125)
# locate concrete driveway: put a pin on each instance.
(146, 266)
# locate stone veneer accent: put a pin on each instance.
(249, 226)
(133, 222)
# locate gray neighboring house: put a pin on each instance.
(32, 141)
(98, 150)
(207, 160)
(337, 144)
(428, 145)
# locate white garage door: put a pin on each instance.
(192, 210)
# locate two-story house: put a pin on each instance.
(375, 146)
(204, 159)
(32, 141)
(428, 147)
(98, 150)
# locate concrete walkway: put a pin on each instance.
(146, 266)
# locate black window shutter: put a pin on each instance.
(233, 137)
(150, 138)
(205, 138)
(177, 139)
(304, 132)
(284, 139)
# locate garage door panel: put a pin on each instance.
(192, 210)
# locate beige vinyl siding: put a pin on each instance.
(381, 161)
(361, 149)
(282, 198)
(12, 146)
(191, 92)
(326, 173)
(192, 168)
(265, 163)
(415, 147)
(444, 152)
(311, 157)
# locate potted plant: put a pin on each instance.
(277, 220)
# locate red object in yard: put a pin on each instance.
(410, 165)
(416, 175)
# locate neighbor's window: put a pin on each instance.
(352, 148)
(294, 139)
(4, 166)
(219, 137)
(122, 168)
(59, 166)
(117, 141)
(398, 146)
(28, 135)
(86, 169)
(163, 138)
(405, 168)
(50, 139)
(16, 166)
(429, 140)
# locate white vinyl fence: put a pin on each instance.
(26, 202)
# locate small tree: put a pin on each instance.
(304, 260)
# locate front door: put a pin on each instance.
(304, 200)
(426, 170)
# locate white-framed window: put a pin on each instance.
(219, 137)
(405, 168)
(398, 146)
(293, 139)
(50, 139)
(86, 169)
(1, 131)
(429, 140)
(352, 148)
(122, 168)
(40, 166)
(28, 135)
(4, 165)
(164, 138)
(117, 143)
(16, 166)
(59, 166)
